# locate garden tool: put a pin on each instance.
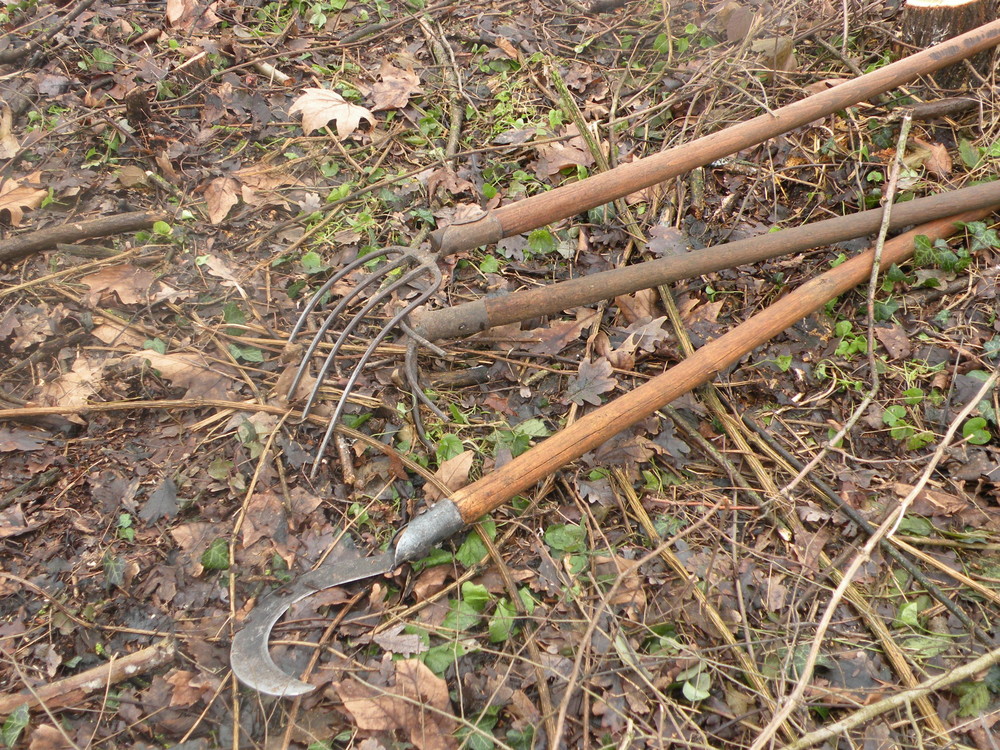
(250, 658)
(538, 210)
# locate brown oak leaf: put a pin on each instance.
(593, 380)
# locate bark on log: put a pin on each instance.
(930, 22)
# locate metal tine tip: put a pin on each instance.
(436, 281)
(353, 323)
(334, 314)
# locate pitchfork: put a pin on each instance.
(491, 226)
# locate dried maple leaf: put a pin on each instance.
(131, 284)
(320, 106)
(221, 195)
(593, 380)
(395, 88)
(16, 197)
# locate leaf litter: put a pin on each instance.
(145, 522)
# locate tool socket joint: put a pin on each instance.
(427, 530)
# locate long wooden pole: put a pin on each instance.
(595, 428)
(545, 208)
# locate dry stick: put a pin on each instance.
(75, 231)
(71, 690)
(905, 698)
(886, 529)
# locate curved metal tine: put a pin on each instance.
(332, 316)
(436, 282)
(328, 284)
(355, 321)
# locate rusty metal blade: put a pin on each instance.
(249, 655)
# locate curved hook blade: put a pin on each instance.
(249, 655)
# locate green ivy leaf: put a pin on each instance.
(448, 446)
(503, 622)
(16, 723)
(992, 679)
(973, 699)
(114, 571)
(219, 468)
(698, 688)
(312, 262)
(461, 617)
(246, 353)
(908, 614)
(916, 526)
(975, 431)
(566, 537)
(216, 557)
(489, 264)
(439, 658)
(542, 242)
(475, 595)
(472, 551)
(970, 154)
(157, 345)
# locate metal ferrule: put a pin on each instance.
(428, 530)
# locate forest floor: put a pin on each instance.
(663, 590)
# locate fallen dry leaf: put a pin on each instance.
(221, 195)
(20, 440)
(72, 389)
(593, 379)
(8, 143)
(320, 106)
(453, 473)
(48, 737)
(130, 283)
(16, 197)
(417, 704)
(265, 518)
(395, 88)
(190, 371)
(933, 156)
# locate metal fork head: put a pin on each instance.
(413, 265)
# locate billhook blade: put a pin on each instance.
(249, 655)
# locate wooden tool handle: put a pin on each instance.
(471, 317)
(597, 427)
(545, 208)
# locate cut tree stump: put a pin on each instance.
(930, 22)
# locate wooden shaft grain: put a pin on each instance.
(595, 428)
